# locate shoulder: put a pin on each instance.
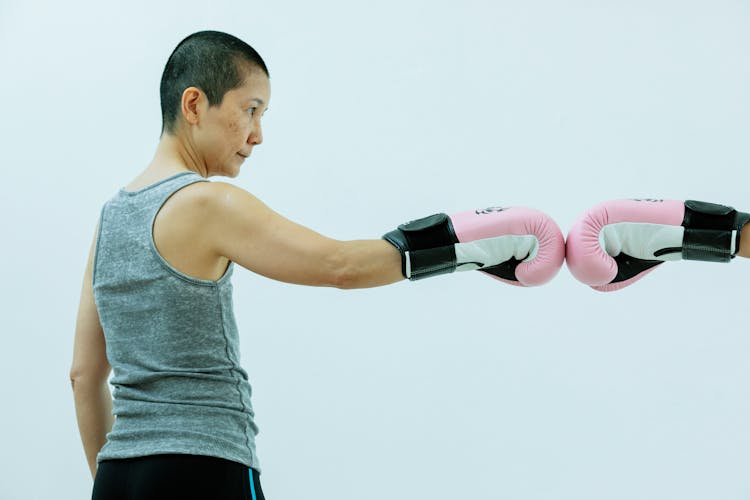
(213, 193)
(224, 199)
(209, 198)
(218, 207)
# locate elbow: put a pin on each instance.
(345, 278)
(342, 272)
(74, 376)
(346, 281)
(80, 378)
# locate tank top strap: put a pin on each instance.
(151, 198)
(131, 214)
(160, 191)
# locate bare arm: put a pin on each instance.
(88, 374)
(249, 233)
(745, 242)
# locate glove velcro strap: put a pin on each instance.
(712, 232)
(702, 215)
(709, 245)
(426, 246)
(431, 262)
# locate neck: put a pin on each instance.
(176, 154)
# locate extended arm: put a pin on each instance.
(518, 245)
(247, 232)
(89, 373)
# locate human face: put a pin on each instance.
(226, 134)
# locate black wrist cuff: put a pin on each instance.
(426, 246)
(712, 232)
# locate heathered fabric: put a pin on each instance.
(172, 342)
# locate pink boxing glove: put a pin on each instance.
(616, 243)
(520, 246)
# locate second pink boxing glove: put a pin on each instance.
(618, 242)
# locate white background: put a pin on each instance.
(454, 387)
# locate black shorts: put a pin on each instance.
(166, 477)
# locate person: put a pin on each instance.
(156, 303)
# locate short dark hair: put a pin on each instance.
(213, 61)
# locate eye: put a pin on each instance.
(252, 110)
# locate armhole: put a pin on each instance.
(167, 265)
(96, 245)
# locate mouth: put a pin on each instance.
(242, 156)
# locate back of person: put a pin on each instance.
(172, 340)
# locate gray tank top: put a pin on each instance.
(171, 340)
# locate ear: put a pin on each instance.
(191, 104)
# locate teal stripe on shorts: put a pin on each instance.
(252, 483)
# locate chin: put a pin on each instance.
(231, 170)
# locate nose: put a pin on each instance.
(256, 135)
